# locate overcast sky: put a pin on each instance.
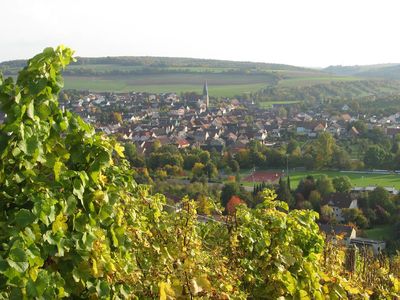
(299, 32)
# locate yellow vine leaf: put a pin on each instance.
(204, 283)
(33, 273)
(60, 223)
(119, 149)
(166, 292)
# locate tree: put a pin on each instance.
(315, 200)
(292, 146)
(327, 214)
(211, 170)
(204, 157)
(341, 159)
(189, 161)
(204, 205)
(284, 192)
(243, 158)
(228, 190)
(342, 184)
(324, 148)
(232, 203)
(360, 126)
(282, 112)
(117, 117)
(198, 170)
(324, 185)
(381, 197)
(305, 186)
(234, 166)
(155, 146)
(355, 216)
(130, 152)
(375, 156)
(306, 205)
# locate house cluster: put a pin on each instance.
(338, 202)
(348, 237)
(189, 120)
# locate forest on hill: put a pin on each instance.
(76, 225)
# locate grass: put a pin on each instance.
(380, 232)
(358, 179)
(219, 85)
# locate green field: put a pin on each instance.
(380, 232)
(127, 85)
(358, 179)
(220, 85)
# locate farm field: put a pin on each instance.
(219, 85)
(358, 179)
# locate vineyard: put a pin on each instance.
(76, 225)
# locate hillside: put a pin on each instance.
(270, 82)
(346, 90)
(382, 71)
(163, 74)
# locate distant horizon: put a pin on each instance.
(217, 59)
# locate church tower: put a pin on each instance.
(205, 95)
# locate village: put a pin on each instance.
(192, 122)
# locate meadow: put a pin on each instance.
(219, 85)
(380, 232)
(357, 179)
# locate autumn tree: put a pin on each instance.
(342, 184)
(323, 149)
(232, 203)
(228, 190)
(324, 185)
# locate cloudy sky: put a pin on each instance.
(313, 33)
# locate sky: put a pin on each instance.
(311, 33)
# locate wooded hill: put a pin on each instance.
(262, 81)
(382, 71)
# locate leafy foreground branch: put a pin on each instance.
(75, 224)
